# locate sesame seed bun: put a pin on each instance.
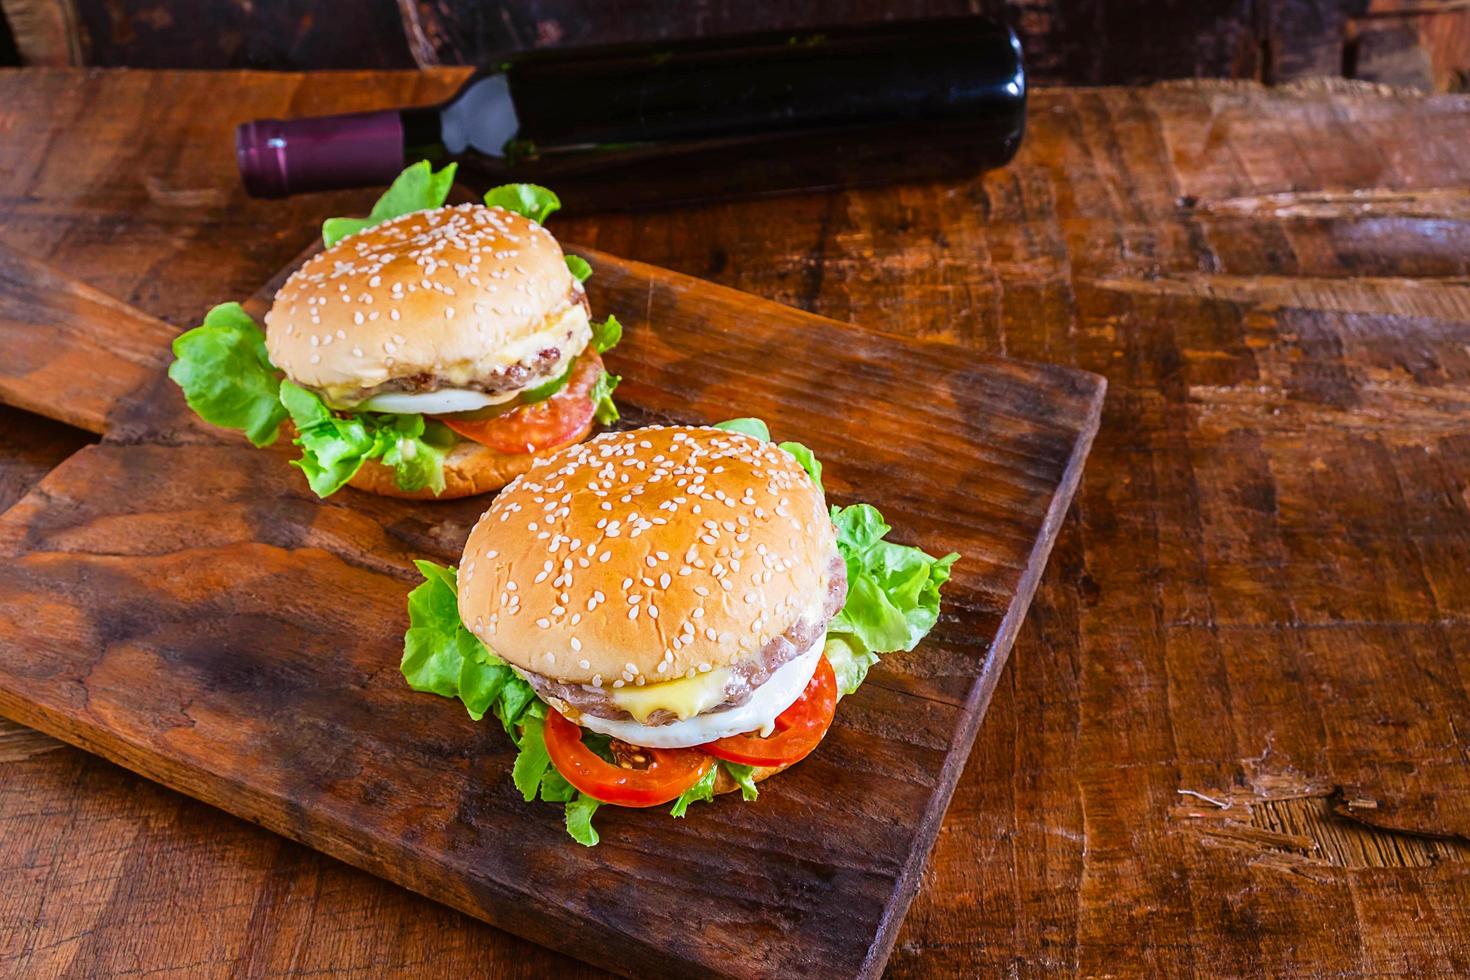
(469, 468)
(647, 555)
(459, 293)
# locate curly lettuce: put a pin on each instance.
(892, 595)
(441, 656)
(226, 375)
(334, 447)
(527, 200)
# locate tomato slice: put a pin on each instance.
(528, 428)
(799, 729)
(668, 772)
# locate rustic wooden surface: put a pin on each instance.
(194, 615)
(1260, 596)
(1424, 43)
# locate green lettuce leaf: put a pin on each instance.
(702, 790)
(579, 820)
(579, 268)
(441, 657)
(749, 427)
(334, 447)
(605, 335)
(892, 594)
(533, 761)
(336, 229)
(226, 375)
(527, 200)
(850, 661)
(744, 777)
(605, 410)
(417, 450)
(555, 788)
(418, 188)
(808, 461)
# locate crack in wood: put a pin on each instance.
(1291, 823)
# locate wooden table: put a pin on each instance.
(1234, 736)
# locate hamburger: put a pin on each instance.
(662, 614)
(425, 352)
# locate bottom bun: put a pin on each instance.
(470, 468)
(724, 784)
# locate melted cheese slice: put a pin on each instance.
(685, 697)
(758, 714)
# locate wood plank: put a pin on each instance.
(212, 626)
(71, 352)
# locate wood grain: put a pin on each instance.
(1256, 596)
(200, 620)
(72, 353)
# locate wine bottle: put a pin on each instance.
(676, 121)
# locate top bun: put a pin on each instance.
(647, 555)
(457, 292)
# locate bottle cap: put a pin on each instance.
(278, 157)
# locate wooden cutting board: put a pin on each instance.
(181, 604)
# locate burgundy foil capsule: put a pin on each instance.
(278, 157)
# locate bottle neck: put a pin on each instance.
(278, 157)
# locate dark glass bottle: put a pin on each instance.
(677, 121)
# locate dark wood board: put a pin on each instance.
(178, 602)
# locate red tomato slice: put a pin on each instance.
(799, 729)
(668, 773)
(528, 428)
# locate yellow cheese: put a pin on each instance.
(685, 697)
